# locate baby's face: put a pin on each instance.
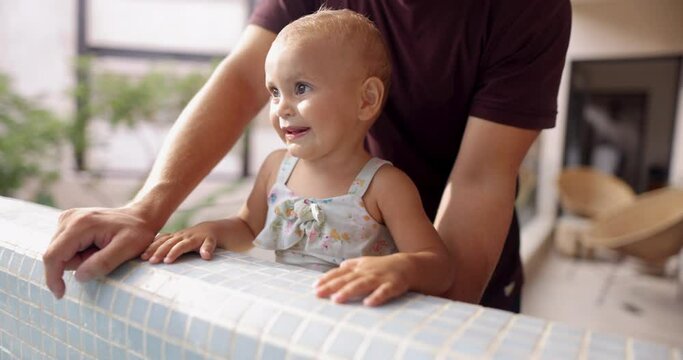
(314, 96)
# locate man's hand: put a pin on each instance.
(377, 278)
(93, 241)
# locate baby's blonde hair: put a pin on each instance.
(346, 27)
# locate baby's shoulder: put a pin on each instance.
(388, 176)
(271, 165)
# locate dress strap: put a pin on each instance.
(286, 168)
(362, 182)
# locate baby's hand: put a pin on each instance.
(168, 247)
(379, 276)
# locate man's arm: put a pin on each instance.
(477, 205)
(208, 127)
(204, 132)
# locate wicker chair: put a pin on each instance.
(650, 228)
(591, 193)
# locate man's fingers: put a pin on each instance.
(121, 248)
(78, 259)
(59, 254)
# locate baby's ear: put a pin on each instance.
(372, 93)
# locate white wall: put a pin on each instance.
(207, 26)
(37, 47)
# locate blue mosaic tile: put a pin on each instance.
(89, 291)
(47, 300)
(136, 275)
(36, 338)
(648, 350)
(172, 352)
(88, 341)
(379, 348)
(315, 334)
(105, 297)
(49, 346)
(134, 356)
(244, 347)
(192, 355)
(273, 352)
(121, 303)
(60, 350)
(138, 310)
(398, 327)
(198, 333)
(74, 354)
(233, 309)
(469, 347)
(5, 256)
(60, 330)
(116, 353)
(102, 322)
(152, 346)
(433, 338)
(364, 319)
(87, 318)
(257, 316)
(346, 343)
(34, 315)
(73, 312)
(118, 331)
(418, 354)
(73, 335)
(38, 273)
(34, 294)
(122, 271)
(221, 339)
(176, 324)
(285, 326)
(135, 340)
(157, 317)
(26, 267)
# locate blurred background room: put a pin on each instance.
(89, 89)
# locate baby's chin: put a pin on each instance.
(299, 151)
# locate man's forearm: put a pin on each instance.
(473, 221)
(207, 128)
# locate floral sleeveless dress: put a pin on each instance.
(321, 233)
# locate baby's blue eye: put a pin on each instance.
(301, 88)
(274, 92)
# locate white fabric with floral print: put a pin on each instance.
(321, 233)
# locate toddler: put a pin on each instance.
(323, 202)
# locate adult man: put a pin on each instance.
(474, 80)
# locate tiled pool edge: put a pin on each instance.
(240, 307)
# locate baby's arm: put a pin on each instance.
(235, 233)
(423, 263)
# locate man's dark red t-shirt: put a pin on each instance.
(499, 60)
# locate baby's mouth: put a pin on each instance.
(294, 132)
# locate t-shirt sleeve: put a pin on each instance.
(521, 67)
(274, 15)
